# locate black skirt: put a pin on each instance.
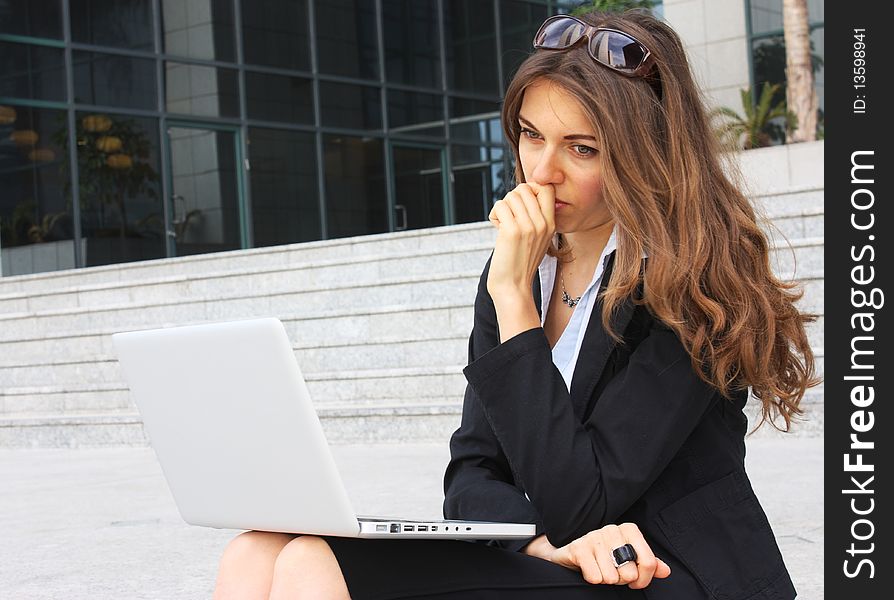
(448, 569)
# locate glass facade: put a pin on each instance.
(155, 128)
(768, 48)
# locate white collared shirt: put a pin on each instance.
(567, 349)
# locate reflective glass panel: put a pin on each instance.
(350, 106)
(766, 15)
(346, 38)
(36, 226)
(519, 22)
(275, 34)
(113, 23)
(412, 53)
(201, 90)
(37, 18)
(355, 185)
(416, 114)
(284, 194)
(475, 121)
(279, 98)
(205, 199)
(199, 29)
(32, 72)
(818, 49)
(111, 80)
(471, 190)
(418, 187)
(122, 218)
(471, 45)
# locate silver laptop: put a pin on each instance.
(228, 413)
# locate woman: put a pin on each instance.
(626, 310)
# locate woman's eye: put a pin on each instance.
(584, 150)
(529, 134)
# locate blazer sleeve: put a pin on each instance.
(479, 484)
(582, 476)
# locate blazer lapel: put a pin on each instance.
(597, 346)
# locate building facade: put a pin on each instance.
(158, 128)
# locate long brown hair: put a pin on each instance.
(708, 273)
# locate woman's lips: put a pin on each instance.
(560, 205)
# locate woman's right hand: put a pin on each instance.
(592, 556)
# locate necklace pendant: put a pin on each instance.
(571, 302)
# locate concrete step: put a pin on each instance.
(344, 325)
(405, 290)
(806, 200)
(790, 257)
(402, 386)
(404, 243)
(342, 424)
(259, 280)
(360, 356)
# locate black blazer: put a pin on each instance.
(641, 439)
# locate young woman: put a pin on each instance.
(626, 311)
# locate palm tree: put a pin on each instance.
(760, 124)
(801, 95)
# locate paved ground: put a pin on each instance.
(102, 524)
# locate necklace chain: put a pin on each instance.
(566, 298)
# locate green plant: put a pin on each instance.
(113, 165)
(612, 6)
(761, 124)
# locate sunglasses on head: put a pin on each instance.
(611, 48)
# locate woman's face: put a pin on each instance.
(558, 146)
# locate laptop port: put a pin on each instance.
(409, 527)
(434, 527)
(395, 528)
(382, 527)
(422, 528)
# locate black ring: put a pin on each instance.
(623, 555)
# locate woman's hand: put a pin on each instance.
(525, 220)
(592, 556)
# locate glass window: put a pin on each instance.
(475, 121)
(418, 187)
(113, 23)
(350, 106)
(818, 47)
(32, 72)
(478, 174)
(284, 192)
(766, 15)
(519, 22)
(37, 18)
(355, 185)
(412, 53)
(346, 38)
(471, 190)
(279, 98)
(204, 191)
(275, 33)
(35, 207)
(122, 218)
(416, 114)
(471, 46)
(199, 29)
(111, 80)
(200, 90)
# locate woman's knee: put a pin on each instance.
(256, 545)
(304, 549)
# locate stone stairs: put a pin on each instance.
(379, 326)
